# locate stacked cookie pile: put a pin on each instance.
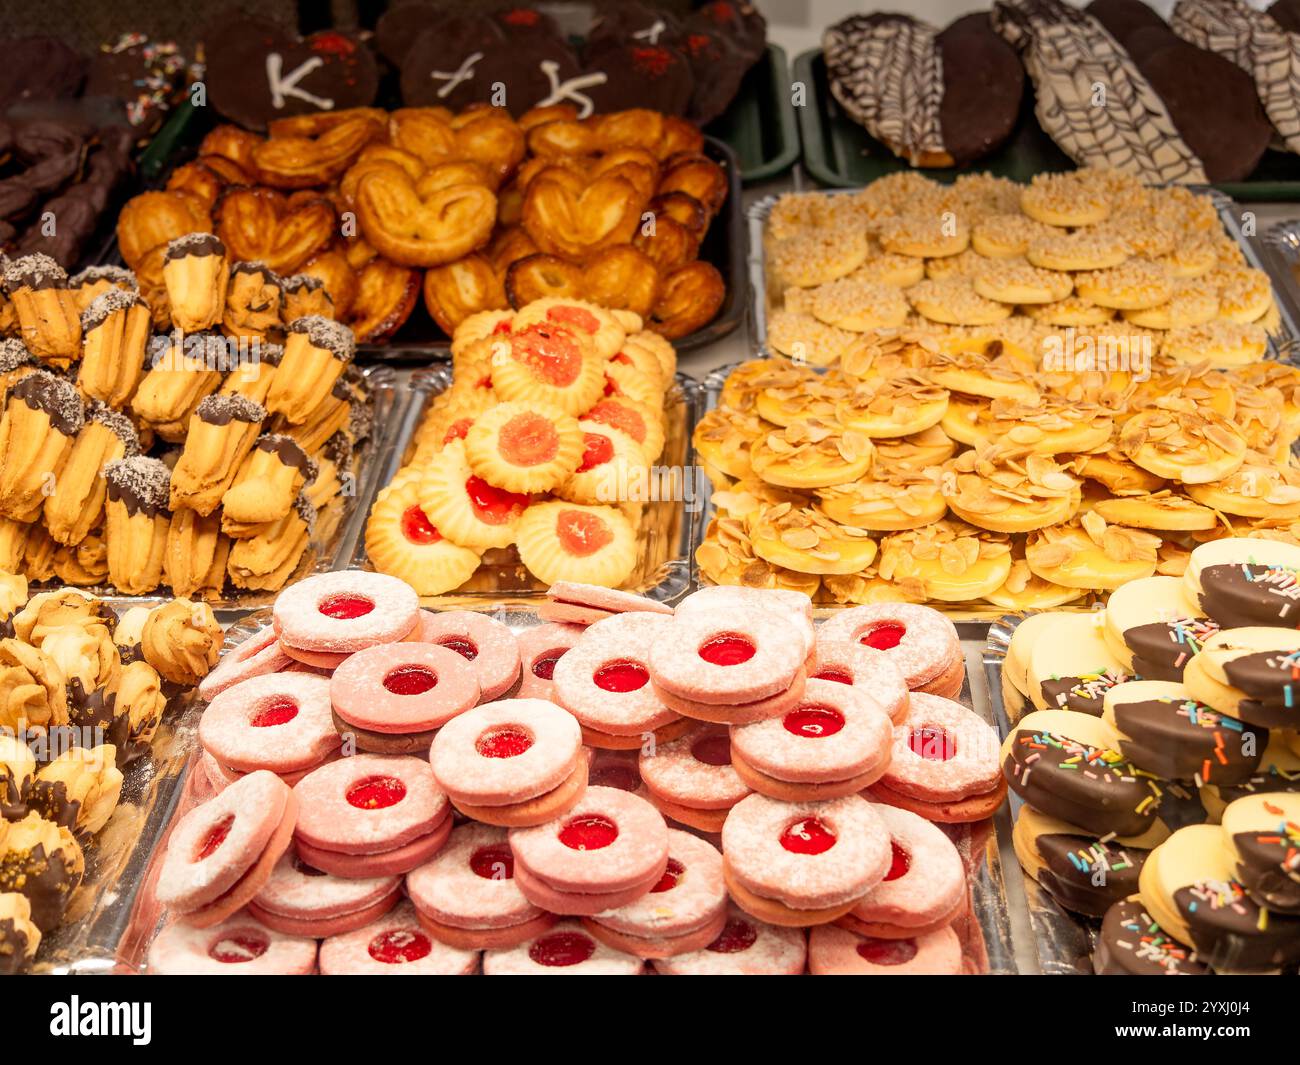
(83, 693)
(1159, 763)
(539, 453)
(521, 792)
(248, 400)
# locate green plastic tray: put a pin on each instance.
(760, 124)
(840, 153)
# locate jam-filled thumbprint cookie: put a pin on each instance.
(920, 642)
(691, 780)
(567, 949)
(301, 901)
(323, 619)
(561, 541)
(836, 951)
(868, 671)
(540, 649)
(401, 540)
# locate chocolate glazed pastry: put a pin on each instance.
(1132, 944)
(1230, 930)
(1086, 875)
(1161, 649)
(1180, 739)
(1241, 594)
(1267, 866)
(983, 84)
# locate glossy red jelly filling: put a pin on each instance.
(712, 750)
(462, 645)
(590, 832)
(410, 680)
(376, 793)
(933, 743)
(727, 650)
(887, 951)
(399, 946)
(346, 607)
(544, 667)
(215, 838)
(493, 863)
(837, 675)
(736, 936)
(900, 863)
(808, 836)
(597, 450)
(671, 876)
(885, 636)
(505, 741)
(241, 947)
(621, 677)
(279, 711)
(493, 505)
(562, 948)
(417, 528)
(813, 722)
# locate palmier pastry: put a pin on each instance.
(418, 226)
(252, 300)
(42, 416)
(221, 434)
(458, 289)
(196, 271)
(115, 331)
(262, 225)
(307, 150)
(136, 522)
(76, 505)
(232, 143)
(541, 276)
(268, 481)
(149, 221)
(568, 215)
(689, 297)
(48, 317)
(316, 351)
(386, 295)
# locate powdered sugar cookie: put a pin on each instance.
(691, 780)
(402, 689)
(489, 646)
(568, 949)
(919, 641)
(794, 607)
(393, 945)
(868, 671)
(540, 649)
(737, 713)
(584, 604)
(834, 951)
(745, 947)
(339, 613)
(239, 946)
(803, 863)
(302, 901)
(727, 659)
(277, 721)
(258, 654)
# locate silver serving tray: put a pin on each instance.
(1279, 250)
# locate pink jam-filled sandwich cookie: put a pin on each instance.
(278, 721)
(835, 951)
(729, 668)
(238, 946)
(540, 649)
(219, 777)
(393, 696)
(301, 901)
(865, 669)
(394, 945)
(607, 851)
(614, 769)
(371, 815)
(567, 949)
(604, 682)
(729, 601)
(684, 912)
(487, 645)
(586, 604)
(322, 619)
(515, 763)
(945, 764)
(691, 780)
(260, 653)
(744, 947)
(834, 743)
(467, 896)
(800, 864)
(919, 641)
(925, 888)
(221, 853)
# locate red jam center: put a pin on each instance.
(597, 450)
(621, 677)
(670, 878)
(738, 935)
(901, 862)
(885, 636)
(813, 722)
(562, 948)
(712, 750)
(277, 712)
(887, 951)
(215, 838)
(457, 430)
(493, 863)
(232, 950)
(727, 650)
(528, 439)
(932, 743)
(551, 352)
(399, 946)
(577, 316)
(345, 607)
(492, 505)
(544, 667)
(614, 775)
(505, 741)
(417, 528)
(582, 534)
(837, 675)
(462, 645)
(617, 416)
(410, 680)
(590, 832)
(808, 836)
(376, 793)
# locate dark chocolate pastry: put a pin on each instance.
(41, 860)
(1245, 593)
(653, 76)
(1234, 933)
(1286, 13)
(619, 23)
(1122, 18)
(739, 22)
(257, 70)
(1162, 649)
(144, 75)
(983, 83)
(1132, 944)
(718, 69)
(38, 68)
(1268, 858)
(1087, 875)
(525, 23)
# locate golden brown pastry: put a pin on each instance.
(189, 369)
(48, 317)
(46, 611)
(19, 937)
(32, 695)
(15, 362)
(267, 483)
(86, 656)
(80, 789)
(136, 522)
(304, 296)
(38, 554)
(195, 562)
(221, 434)
(76, 504)
(316, 352)
(195, 271)
(17, 768)
(253, 300)
(94, 281)
(333, 415)
(266, 561)
(115, 333)
(42, 861)
(42, 417)
(182, 641)
(13, 542)
(141, 700)
(253, 376)
(83, 564)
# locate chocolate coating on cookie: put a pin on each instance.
(1084, 692)
(1268, 864)
(226, 407)
(1241, 594)
(141, 484)
(1161, 649)
(1087, 875)
(1230, 930)
(197, 244)
(1132, 944)
(1181, 739)
(983, 84)
(56, 396)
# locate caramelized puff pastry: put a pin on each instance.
(76, 505)
(423, 227)
(43, 415)
(220, 436)
(316, 351)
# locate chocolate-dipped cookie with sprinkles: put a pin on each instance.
(1154, 627)
(1071, 666)
(1251, 673)
(1263, 833)
(1242, 582)
(1131, 943)
(1068, 765)
(1279, 771)
(1163, 729)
